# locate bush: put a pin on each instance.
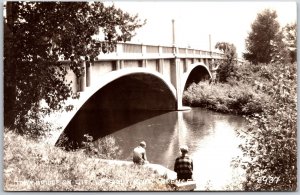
(270, 145)
(225, 98)
(104, 148)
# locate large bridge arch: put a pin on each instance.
(116, 94)
(195, 73)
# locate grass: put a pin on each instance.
(33, 166)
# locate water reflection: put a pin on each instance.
(210, 136)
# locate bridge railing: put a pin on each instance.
(142, 51)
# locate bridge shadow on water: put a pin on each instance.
(100, 123)
(121, 103)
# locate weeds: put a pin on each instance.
(33, 166)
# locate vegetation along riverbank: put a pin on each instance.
(266, 95)
(264, 90)
(34, 166)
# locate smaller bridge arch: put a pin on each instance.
(195, 73)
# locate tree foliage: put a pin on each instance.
(270, 147)
(290, 38)
(38, 34)
(226, 66)
(264, 43)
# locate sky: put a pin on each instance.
(196, 20)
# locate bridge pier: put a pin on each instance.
(176, 81)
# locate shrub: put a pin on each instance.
(104, 148)
(226, 98)
(270, 146)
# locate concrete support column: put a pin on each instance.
(117, 64)
(121, 64)
(176, 80)
(178, 84)
(88, 73)
(144, 63)
(161, 65)
(209, 61)
(186, 65)
(82, 79)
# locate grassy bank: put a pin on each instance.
(32, 166)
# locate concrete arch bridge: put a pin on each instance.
(134, 77)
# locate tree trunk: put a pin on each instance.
(10, 68)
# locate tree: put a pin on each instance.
(280, 52)
(261, 41)
(269, 143)
(37, 34)
(290, 38)
(226, 66)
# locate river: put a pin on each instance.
(210, 136)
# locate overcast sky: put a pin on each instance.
(195, 20)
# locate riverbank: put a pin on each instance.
(240, 99)
(267, 95)
(33, 166)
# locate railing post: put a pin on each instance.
(160, 50)
(144, 49)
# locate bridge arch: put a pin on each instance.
(116, 94)
(195, 73)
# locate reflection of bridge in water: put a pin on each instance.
(135, 77)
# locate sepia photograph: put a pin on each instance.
(150, 96)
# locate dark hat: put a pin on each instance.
(184, 148)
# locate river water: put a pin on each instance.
(210, 136)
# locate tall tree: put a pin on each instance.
(262, 40)
(226, 67)
(37, 34)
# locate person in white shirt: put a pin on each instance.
(139, 154)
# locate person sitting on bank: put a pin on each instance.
(139, 154)
(184, 165)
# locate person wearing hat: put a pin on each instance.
(139, 154)
(184, 165)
